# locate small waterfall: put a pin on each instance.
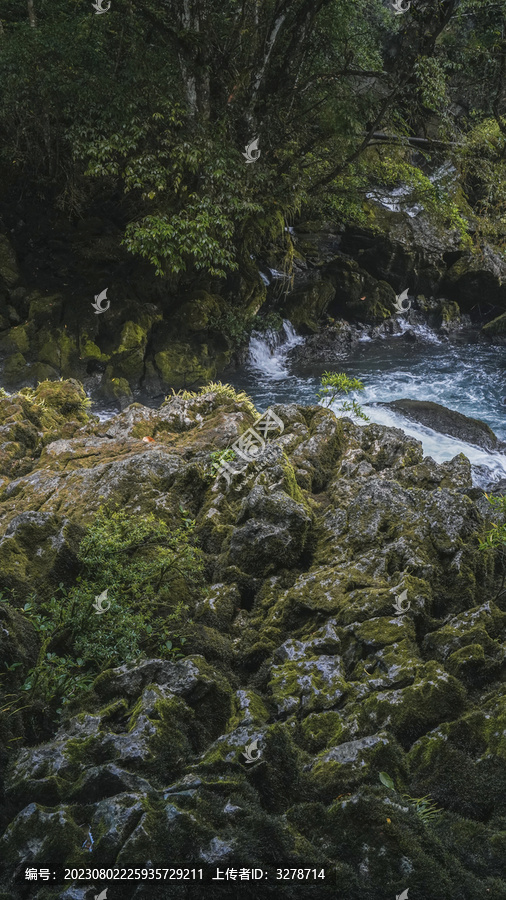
(268, 350)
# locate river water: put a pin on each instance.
(467, 377)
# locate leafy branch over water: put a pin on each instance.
(333, 384)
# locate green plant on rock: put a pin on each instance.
(495, 537)
(150, 571)
(221, 390)
(424, 807)
(217, 458)
(333, 384)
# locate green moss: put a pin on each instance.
(19, 338)
(133, 336)
(15, 369)
(69, 354)
(67, 398)
(433, 697)
(346, 765)
(305, 308)
(247, 708)
(450, 312)
(89, 350)
(180, 365)
(49, 350)
(224, 395)
(321, 730)
(199, 311)
(467, 663)
(113, 388)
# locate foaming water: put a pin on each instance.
(268, 352)
(468, 378)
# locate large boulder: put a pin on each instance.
(448, 421)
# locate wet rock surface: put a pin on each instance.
(448, 421)
(295, 644)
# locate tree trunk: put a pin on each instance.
(31, 14)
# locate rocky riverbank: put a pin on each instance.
(148, 338)
(346, 620)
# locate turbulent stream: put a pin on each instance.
(466, 377)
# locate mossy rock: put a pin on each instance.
(450, 312)
(48, 348)
(343, 767)
(358, 295)
(307, 685)
(44, 310)
(89, 350)
(133, 337)
(18, 338)
(39, 551)
(15, 369)
(44, 835)
(461, 763)
(43, 372)
(197, 312)
(433, 697)
(304, 308)
(9, 272)
(471, 277)
(66, 397)
(118, 389)
(127, 367)
(320, 730)
(272, 532)
(179, 365)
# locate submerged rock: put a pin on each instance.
(448, 421)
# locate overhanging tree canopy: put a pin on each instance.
(160, 97)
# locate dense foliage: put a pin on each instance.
(149, 572)
(153, 103)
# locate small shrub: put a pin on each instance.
(216, 459)
(333, 384)
(495, 538)
(424, 807)
(151, 572)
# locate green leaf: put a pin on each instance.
(386, 780)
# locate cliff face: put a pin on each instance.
(346, 621)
